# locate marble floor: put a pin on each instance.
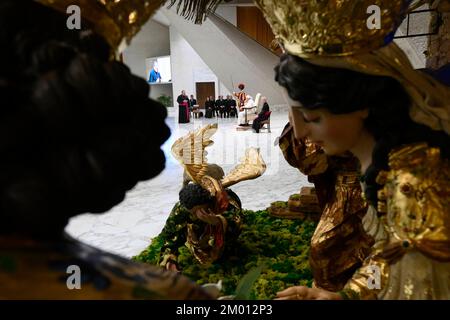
(128, 228)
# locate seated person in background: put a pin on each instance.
(231, 105)
(71, 147)
(209, 108)
(227, 106)
(221, 104)
(248, 108)
(262, 116)
(192, 102)
(216, 106)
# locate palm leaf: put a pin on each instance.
(245, 285)
(196, 10)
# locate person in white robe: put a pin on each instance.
(250, 106)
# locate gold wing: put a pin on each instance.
(252, 166)
(190, 151)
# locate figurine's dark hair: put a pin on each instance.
(241, 86)
(343, 91)
(77, 131)
(193, 195)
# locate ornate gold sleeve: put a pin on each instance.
(369, 280)
(309, 158)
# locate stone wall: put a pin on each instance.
(438, 53)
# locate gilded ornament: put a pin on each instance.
(382, 177)
(381, 207)
(107, 17)
(324, 21)
(381, 195)
(406, 189)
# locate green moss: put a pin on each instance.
(279, 204)
(282, 245)
(294, 197)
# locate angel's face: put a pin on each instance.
(335, 133)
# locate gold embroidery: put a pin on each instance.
(408, 289)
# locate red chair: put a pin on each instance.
(267, 121)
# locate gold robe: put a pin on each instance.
(241, 97)
(339, 244)
(31, 269)
(411, 255)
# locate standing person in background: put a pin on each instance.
(241, 96)
(209, 108)
(183, 108)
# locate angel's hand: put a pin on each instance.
(171, 266)
(305, 293)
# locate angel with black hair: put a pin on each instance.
(78, 131)
(208, 213)
(360, 94)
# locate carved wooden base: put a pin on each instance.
(299, 206)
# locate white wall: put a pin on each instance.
(157, 90)
(231, 55)
(152, 41)
(188, 68)
(415, 47)
(224, 91)
(228, 12)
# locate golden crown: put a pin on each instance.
(117, 21)
(332, 27)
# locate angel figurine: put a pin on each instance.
(208, 213)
